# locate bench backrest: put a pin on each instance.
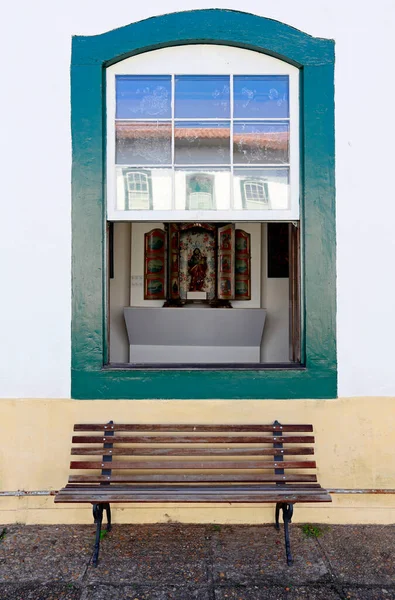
(162, 454)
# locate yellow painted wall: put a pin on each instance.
(355, 441)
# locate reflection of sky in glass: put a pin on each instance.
(200, 96)
(261, 96)
(261, 142)
(211, 125)
(143, 96)
(279, 175)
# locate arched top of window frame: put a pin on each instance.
(206, 26)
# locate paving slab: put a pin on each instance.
(152, 554)
(104, 592)
(38, 591)
(361, 554)
(45, 553)
(252, 554)
(265, 592)
(369, 593)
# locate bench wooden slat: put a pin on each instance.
(188, 427)
(203, 477)
(194, 464)
(173, 489)
(228, 495)
(190, 451)
(165, 485)
(143, 439)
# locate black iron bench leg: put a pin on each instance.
(277, 525)
(98, 517)
(287, 516)
(108, 513)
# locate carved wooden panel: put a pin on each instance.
(174, 258)
(225, 266)
(155, 265)
(242, 265)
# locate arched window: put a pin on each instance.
(200, 192)
(155, 147)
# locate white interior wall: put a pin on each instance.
(35, 257)
(119, 294)
(275, 298)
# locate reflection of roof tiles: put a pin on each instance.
(277, 140)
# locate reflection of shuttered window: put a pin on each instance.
(255, 193)
(200, 194)
(138, 190)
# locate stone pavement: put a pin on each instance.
(203, 562)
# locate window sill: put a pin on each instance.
(197, 383)
(203, 367)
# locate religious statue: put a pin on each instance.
(197, 267)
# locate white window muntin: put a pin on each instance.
(203, 60)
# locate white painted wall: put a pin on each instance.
(36, 158)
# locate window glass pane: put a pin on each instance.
(143, 189)
(199, 96)
(143, 97)
(261, 189)
(202, 189)
(260, 142)
(261, 96)
(202, 142)
(143, 142)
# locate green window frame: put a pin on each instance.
(90, 377)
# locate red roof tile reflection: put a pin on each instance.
(277, 140)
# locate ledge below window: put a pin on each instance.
(194, 383)
(204, 367)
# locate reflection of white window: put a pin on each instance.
(255, 193)
(138, 190)
(200, 190)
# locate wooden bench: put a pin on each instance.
(193, 463)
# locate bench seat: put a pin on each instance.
(239, 493)
(192, 463)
